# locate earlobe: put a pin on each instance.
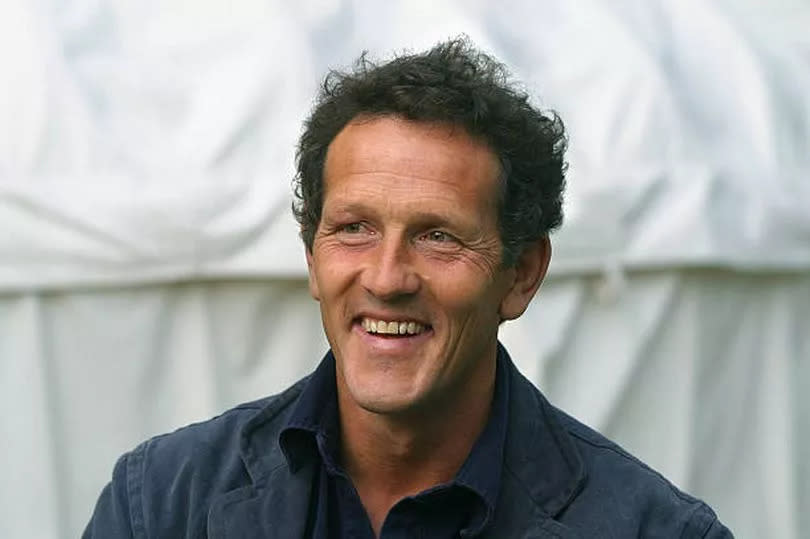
(530, 270)
(313, 281)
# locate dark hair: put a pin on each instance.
(455, 84)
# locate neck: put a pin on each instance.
(391, 456)
(421, 451)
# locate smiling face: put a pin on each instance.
(406, 265)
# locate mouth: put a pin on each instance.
(392, 328)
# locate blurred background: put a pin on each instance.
(151, 274)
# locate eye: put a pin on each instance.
(439, 236)
(351, 228)
(354, 232)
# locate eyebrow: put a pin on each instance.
(424, 218)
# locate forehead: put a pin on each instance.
(406, 158)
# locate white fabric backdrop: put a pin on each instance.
(150, 273)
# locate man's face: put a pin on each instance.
(406, 264)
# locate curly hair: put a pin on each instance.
(455, 84)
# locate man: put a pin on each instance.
(426, 190)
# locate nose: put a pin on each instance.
(390, 273)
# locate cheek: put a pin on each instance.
(463, 292)
(331, 273)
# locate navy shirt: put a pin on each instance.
(462, 507)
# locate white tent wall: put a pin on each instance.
(151, 275)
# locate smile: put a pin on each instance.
(394, 327)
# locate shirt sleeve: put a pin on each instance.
(112, 516)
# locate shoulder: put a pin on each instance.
(588, 484)
(219, 440)
(620, 487)
(197, 441)
(168, 482)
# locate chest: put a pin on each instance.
(442, 512)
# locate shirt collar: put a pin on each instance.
(313, 429)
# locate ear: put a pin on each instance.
(314, 291)
(529, 271)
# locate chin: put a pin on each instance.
(382, 406)
(377, 393)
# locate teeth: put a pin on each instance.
(392, 328)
